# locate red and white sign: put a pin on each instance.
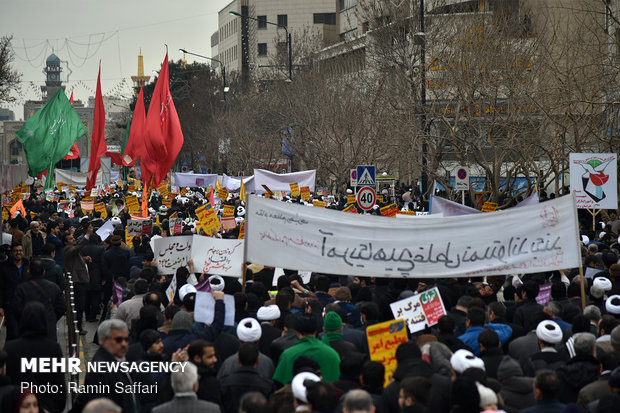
(366, 198)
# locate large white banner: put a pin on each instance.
(280, 182)
(593, 179)
(234, 184)
(77, 178)
(194, 180)
(210, 255)
(530, 239)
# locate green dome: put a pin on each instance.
(52, 60)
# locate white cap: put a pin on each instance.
(462, 360)
(612, 304)
(298, 387)
(268, 313)
(602, 282)
(218, 286)
(186, 289)
(549, 332)
(487, 396)
(249, 330)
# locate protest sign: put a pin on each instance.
(222, 194)
(389, 210)
(593, 179)
(544, 294)
(175, 225)
(420, 310)
(350, 198)
(530, 239)
(242, 230)
(318, 204)
(228, 211)
(305, 193)
(351, 209)
(172, 253)
(489, 207)
(217, 256)
(172, 288)
(208, 219)
(204, 310)
(383, 339)
(105, 230)
(228, 223)
(294, 189)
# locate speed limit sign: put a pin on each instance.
(366, 198)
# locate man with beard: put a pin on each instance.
(202, 354)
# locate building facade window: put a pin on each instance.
(262, 49)
(325, 18)
(346, 4)
(262, 22)
(283, 20)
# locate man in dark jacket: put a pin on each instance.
(13, 271)
(490, 353)
(53, 234)
(93, 249)
(34, 342)
(75, 264)
(546, 389)
(245, 379)
(115, 264)
(579, 371)
(53, 272)
(114, 337)
(202, 354)
(517, 389)
(528, 306)
(410, 364)
(43, 291)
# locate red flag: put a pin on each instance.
(115, 158)
(135, 143)
(98, 147)
(74, 152)
(163, 129)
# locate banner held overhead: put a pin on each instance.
(530, 239)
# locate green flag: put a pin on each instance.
(49, 134)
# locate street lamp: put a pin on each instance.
(215, 60)
(288, 41)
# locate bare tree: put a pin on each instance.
(9, 78)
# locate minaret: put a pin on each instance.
(140, 79)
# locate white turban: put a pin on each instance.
(612, 304)
(487, 396)
(549, 332)
(298, 387)
(603, 282)
(219, 286)
(465, 359)
(186, 289)
(249, 330)
(268, 313)
(585, 239)
(116, 221)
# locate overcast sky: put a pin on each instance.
(82, 32)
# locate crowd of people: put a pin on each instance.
(296, 344)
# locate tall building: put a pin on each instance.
(257, 46)
(140, 79)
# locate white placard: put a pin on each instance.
(529, 239)
(204, 310)
(172, 253)
(594, 180)
(172, 288)
(105, 230)
(217, 256)
(419, 310)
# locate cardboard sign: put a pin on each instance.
(489, 207)
(242, 230)
(204, 310)
(294, 189)
(229, 211)
(172, 253)
(389, 210)
(544, 294)
(420, 310)
(305, 193)
(176, 225)
(222, 194)
(383, 340)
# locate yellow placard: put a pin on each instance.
(229, 211)
(100, 207)
(318, 204)
(163, 189)
(222, 194)
(383, 340)
(294, 189)
(489, 207)
(350, 198)
(305, 193)
(208, 218)
(406, 212)
(241, 230)
(389, 210)
(379, 198)
(351, 208)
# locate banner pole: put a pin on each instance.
(583, 288)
